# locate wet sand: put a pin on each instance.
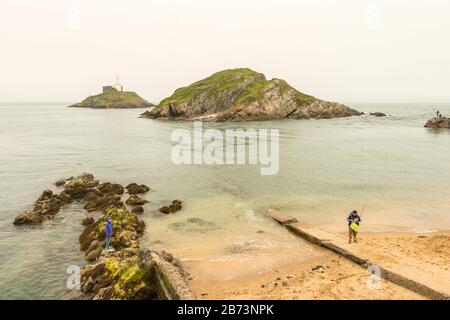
(325, 275)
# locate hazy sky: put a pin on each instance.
(340, 50)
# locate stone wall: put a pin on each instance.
(109, 89)
(172, 284)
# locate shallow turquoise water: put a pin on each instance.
(327, 167)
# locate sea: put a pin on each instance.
(391, 167)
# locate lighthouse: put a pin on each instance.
(117, 85)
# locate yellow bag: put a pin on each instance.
(354, 227)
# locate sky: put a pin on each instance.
(338, 50)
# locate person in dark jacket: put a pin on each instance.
(353, 217)
(109, 231)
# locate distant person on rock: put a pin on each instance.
(438, 114)
(353, 220)
(108, 229)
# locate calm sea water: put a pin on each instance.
(327, 167)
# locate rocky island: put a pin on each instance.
(113, 97)
(438, 123)
(244, 95)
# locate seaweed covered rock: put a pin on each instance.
(129, 272)
(87, 221)
(85, 188)
(135, 200)
(147, 275)
(115, 278)
(94, 251)
(137, 210)
(127, 228)
(175, 206)
(134, 188)
(99, 202)
(80, 186)
(85, 180)
(44, 208)
(97, 196)
(111, 188)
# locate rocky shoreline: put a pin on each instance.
(128, 272)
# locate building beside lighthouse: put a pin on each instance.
(114, 88)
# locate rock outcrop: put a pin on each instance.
(134, 200)
(80, 186)
(137, 210)
(438, 123)
(129, 272)
(378, 114)
(174, 207)
(127, 228)
(134, 188)
(113, 99)
(86, 189)
(44, 208)
(60, 182)
(244, 95)
(126, 272)
(87, 221)
(146, 275)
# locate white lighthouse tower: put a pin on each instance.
(117, 85)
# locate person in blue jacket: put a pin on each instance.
(353, 217)
(109, 231)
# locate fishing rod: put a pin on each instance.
(362, 211)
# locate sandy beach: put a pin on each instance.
(326, 275)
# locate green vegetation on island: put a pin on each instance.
(113, 98)
(214, 85)
(242, 95)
